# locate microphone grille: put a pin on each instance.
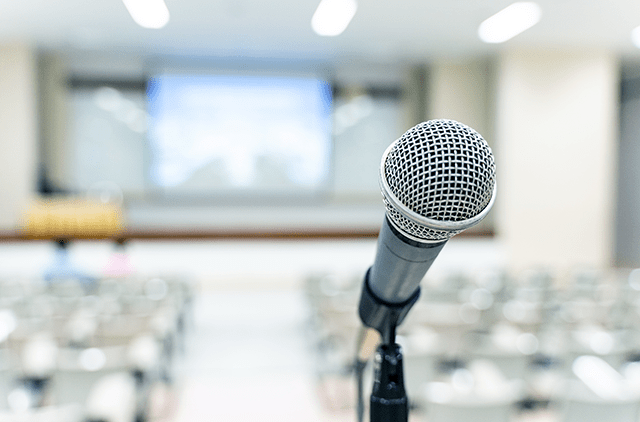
(438, 179)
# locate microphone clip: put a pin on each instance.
(388, 402)
(383, 316)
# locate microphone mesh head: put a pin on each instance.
(437, 180)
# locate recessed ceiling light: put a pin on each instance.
(333, 16)
(151, 14)
(509, 22)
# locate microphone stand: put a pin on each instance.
(388, 402)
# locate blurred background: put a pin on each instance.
(189, 201)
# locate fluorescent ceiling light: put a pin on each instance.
(151, 14)
(635, 36)
(333, 16)
(509, 22)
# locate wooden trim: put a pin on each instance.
(288, 234)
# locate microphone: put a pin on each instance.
(436, 180)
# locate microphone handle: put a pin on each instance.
(400, 264)
(392, 284)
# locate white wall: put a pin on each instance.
(462, 90)
(557, 138)
(18, 132)
(243, 264)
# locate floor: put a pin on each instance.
(249, 358)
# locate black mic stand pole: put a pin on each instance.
(389, 401)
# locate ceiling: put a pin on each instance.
(381, 31)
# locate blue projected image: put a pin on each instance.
(229, 133)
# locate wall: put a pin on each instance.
(553, 120)
(244, 264)
(557, 141)
(18, 137)
(351, 202)
(463, 90)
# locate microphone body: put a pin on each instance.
(437, 180)
(400, 264)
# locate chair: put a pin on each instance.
(477, 394)
(112, 398)
(599, 393)
(79, 369)
(67, 413)
(581, 405)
